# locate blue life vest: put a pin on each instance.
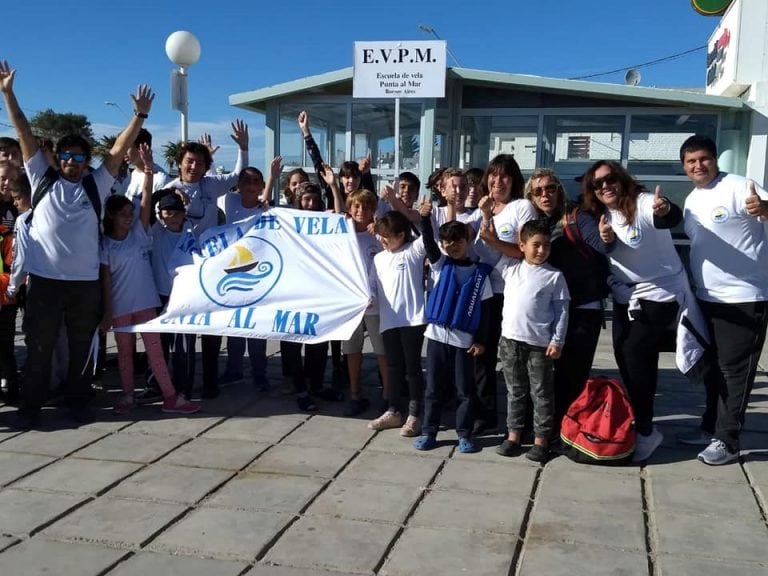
(457, 306)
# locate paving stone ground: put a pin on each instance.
(253, 487)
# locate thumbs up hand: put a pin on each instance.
(755, 206)
(607, 234)
(661, 205)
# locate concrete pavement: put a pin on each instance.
(251, 486)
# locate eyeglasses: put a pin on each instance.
(612, 178)
(549, 189)
(80, 158)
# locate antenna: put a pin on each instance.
(632, 77)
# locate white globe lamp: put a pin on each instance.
(183, 49)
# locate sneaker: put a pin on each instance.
(411, 428)
(355, 407)
(386, 421)
(306, 404)
(697, 437)
(538, 453)
(180, 405)
(646, 445)
(149, 395)
(508, 448)
(467, 446)
(229, 378)
(717, 454)
(125, 404)
(425, 442)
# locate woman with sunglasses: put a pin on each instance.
(579, 253)
(647, 280)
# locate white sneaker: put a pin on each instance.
(696, 437)
(646, 445)
(717, 454)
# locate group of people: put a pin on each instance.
(488, 268)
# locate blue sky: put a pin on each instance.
(85, 53)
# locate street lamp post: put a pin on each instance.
(429, 30)
(183, 49)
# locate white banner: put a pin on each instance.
(404, 69)
(282, 275)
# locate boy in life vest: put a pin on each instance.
(457, 324)
(534, 320)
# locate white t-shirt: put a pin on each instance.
(135, 184)
(369, 246)
(64, 233)
(133, 285)
(729, 250)
(457, 338)
(20, 241)
(164, 243)
(642, 253)
(507, 224)
(232, 205)
(535, 300)
(202, 210)
(397, 281)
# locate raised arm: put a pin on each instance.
(339, 205)
(315, 155)
(240, 136)
(427, 234)
(27, 140)
(142, 103)
(275, 167)
(145, 212)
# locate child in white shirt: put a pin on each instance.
(533, 327)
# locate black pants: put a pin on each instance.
(8, 369)
(448, 366)
(210, 346)
(485, 366)
(313, 367)
(49, 302)
(636, 347)
(738, 334)
(403, 349)
(573, 366)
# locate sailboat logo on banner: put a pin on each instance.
(243, 274)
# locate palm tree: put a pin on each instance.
(103, 146)
(171, 153)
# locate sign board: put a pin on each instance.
(736, 51)
(710, 7)
(403, 69)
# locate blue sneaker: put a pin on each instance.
(425, 442)
(467, 446)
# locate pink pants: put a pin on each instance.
(126, 342)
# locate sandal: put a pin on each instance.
(467, 446)
(425, 442)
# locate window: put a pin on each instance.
(485, 137)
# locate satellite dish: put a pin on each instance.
(632, 77)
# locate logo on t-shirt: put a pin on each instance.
(505, 232)
(634, 236)
(719, 215)
(243, 274)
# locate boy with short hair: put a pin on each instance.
(533, 327)
(361, 207)
(457, 325)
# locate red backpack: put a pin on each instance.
(599, 427)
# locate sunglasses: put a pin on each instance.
(549, 189)
(64, 156)
(612, 178)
